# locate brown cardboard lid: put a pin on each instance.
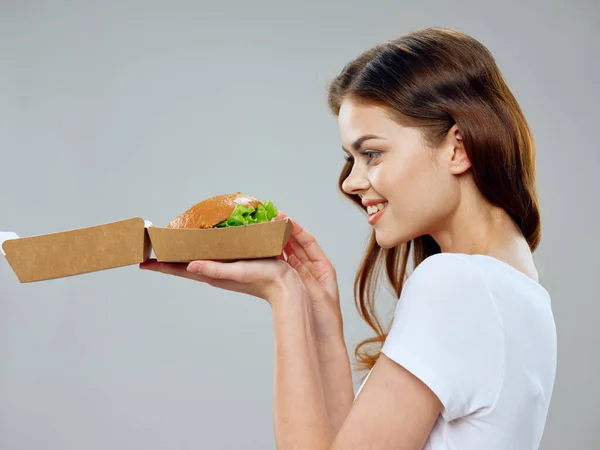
(78, 251)
(262, 240)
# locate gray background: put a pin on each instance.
(110, 111)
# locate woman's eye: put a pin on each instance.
(371, 155)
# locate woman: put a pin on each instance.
(440, 157)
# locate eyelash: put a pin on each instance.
(371, 156)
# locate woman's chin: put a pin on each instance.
(391, 240)
(385, 240)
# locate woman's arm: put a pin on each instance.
(307, 258)
(333, 363)
(300, 414)
(336, 379)
(394, 411)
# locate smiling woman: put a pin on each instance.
(440, 158)
(454, 174)
(447, 94)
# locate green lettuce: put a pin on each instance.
(247, 215)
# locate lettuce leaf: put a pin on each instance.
(247, 215)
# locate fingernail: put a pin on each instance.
(193, 267)
(293, 260)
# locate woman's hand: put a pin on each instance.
(264, 278)
(269, 278)
(308, 259)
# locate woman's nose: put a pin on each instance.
(355, 182)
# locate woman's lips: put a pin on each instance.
(373, 218)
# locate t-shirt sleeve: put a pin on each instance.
(447, 332)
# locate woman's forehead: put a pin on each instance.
(357, 119)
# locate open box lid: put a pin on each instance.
(6, 236)
(78, 251)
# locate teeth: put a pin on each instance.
(375, 208)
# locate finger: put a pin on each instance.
(239, 271)
(313, 287)
(177, 269)
(180, 270)
(308, 243)
(281, 216)
(304, 246)
(288, 250)
(296, 249)
(321, 269)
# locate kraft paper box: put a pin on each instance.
(131, 241)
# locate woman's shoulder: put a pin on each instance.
(469, 278)
(447, 268)
(443, 281)
(460, 266)
(445, 259)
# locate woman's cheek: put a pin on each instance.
(386, 182)
(378, 180)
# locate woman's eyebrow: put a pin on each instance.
(357, 144)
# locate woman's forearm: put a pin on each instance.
(336, 379)
(300, 415)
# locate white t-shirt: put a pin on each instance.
(481, 335)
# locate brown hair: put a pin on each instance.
(433, 79)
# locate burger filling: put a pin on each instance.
(248, 215)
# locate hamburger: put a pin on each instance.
(227, 210)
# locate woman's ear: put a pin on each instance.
(459, 160)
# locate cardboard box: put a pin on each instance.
(131, 241)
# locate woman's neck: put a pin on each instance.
(479, 227)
